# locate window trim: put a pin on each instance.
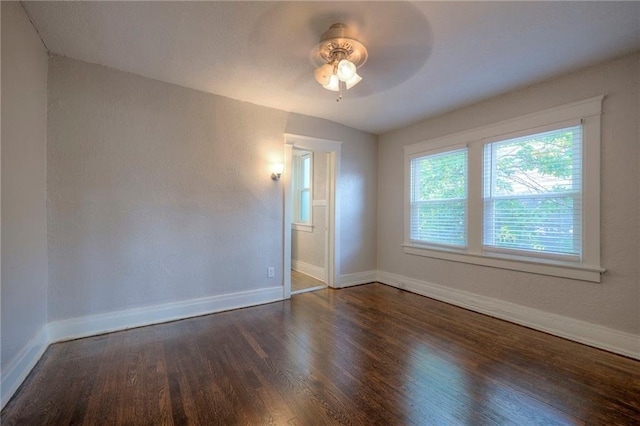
(302, 227)
(589, 112)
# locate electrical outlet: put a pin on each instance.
(271, 272)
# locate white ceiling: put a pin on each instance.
(424, 57)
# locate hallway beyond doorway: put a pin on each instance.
(301, 282)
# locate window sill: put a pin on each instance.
(302, 227)
(532, 265)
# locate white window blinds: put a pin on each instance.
(302, 184)
(439, 198)
(533, 194)
(305, 188)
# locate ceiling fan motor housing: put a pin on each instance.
(338, 43)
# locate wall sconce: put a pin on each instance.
(276, 171)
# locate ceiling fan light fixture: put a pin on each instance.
(353, 81)
(333, 84)
(346, 70)
(338, 56)
(323, 74)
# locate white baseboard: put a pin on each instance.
(21, 365)
(19, 368)
(579, 331)
(120, 320)
(348, 280)
(316, 272)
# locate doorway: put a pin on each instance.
(311, 228)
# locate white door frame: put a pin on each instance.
(333, 148)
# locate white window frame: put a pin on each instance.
(576, 195)
(588, 112)
(466, 200)
(298, 157)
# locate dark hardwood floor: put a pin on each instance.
(364, 355)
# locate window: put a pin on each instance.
(439, 198)
(533, 195)
(523, 194)
(302, 187)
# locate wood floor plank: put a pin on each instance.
(364, 355)
(300, 281)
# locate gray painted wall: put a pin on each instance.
(24, 232)
(309, 247)
(158, 193)
(615, 302)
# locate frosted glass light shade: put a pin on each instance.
(353, 81)
(334, 83)
(277, 168)
(276, 171)
(346, 70)
(323, 74)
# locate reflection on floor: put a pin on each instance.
(365, 355)
(300, 281)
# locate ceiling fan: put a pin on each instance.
(339, 55)
(361, 32)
